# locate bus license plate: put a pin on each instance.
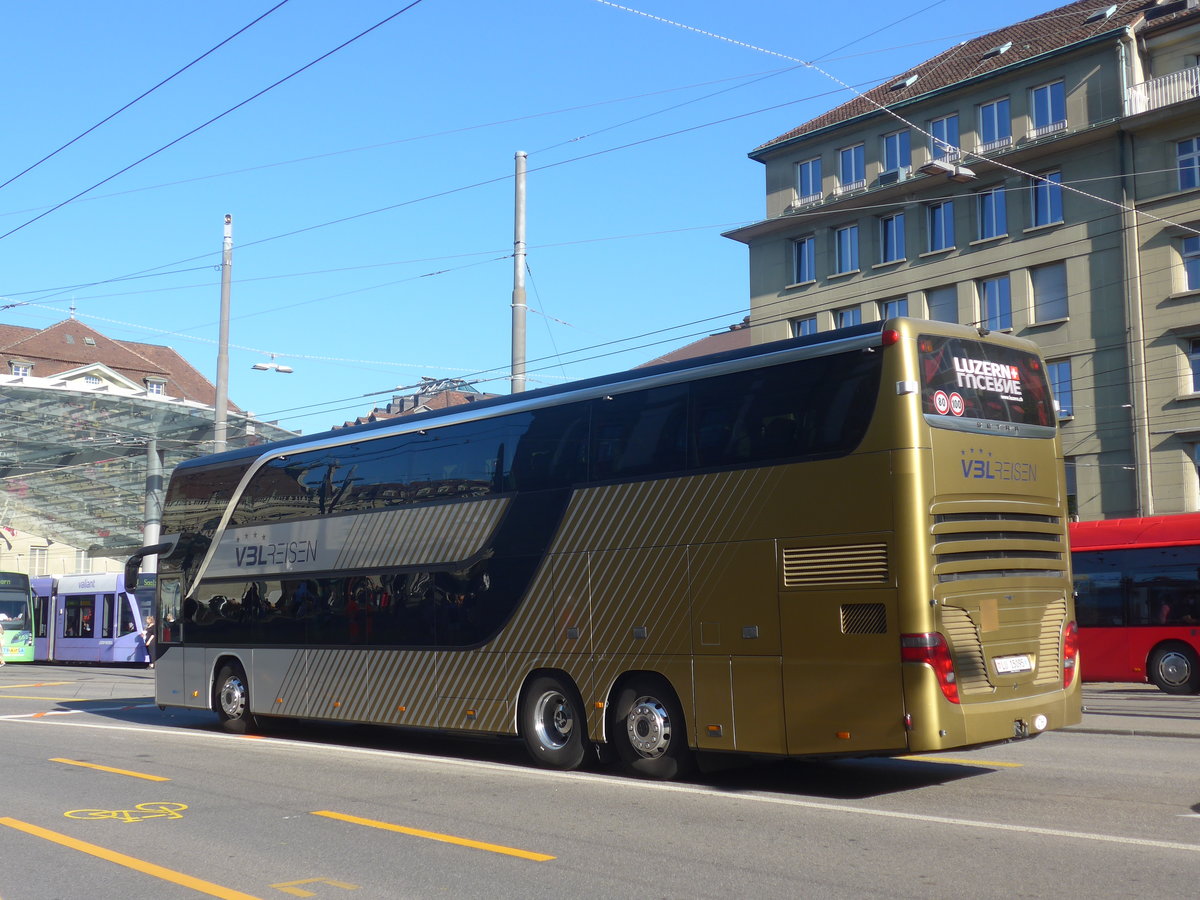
(1010, 665)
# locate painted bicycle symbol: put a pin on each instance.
(137, 814)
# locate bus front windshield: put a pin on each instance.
(972, 385)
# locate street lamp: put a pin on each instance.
(272, 367)
(961, 174)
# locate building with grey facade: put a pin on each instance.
(1044, 180)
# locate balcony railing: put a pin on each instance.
(1049, 128)
(1163, 91)
(997, 144)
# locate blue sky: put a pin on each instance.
(372, 193)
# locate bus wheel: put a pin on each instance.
(648, 731)
(233, 699)
(1174, 668)
(553, 724)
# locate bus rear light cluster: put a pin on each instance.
(931, 648)
(1070, 653)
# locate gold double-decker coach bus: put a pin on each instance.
(852, 543)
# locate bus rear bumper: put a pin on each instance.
(939, 724)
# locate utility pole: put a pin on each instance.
(152, 529)
(518, 294)
(221, 407)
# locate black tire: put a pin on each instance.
(1173, 668)
(553, 723)
(231, 699)
(648, 732)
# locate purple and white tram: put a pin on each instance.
(90, 619)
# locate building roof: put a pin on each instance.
(433, 393)
(735, 337)
(1007, 47)
(69, 344)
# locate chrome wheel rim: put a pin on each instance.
(649, 727)
(233, 697)
(553, 720)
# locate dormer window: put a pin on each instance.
(20, 368)
(157, 386)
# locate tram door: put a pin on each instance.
(43, 619)
(78, 627)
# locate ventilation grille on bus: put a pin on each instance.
(969, 662)
(1050, 643)
(864, 618)
(846, 564)
(997, 545)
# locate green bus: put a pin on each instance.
(851, 543)
(16, 618)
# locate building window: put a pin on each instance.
(1194, 364)
(92, 380)
(993, 214)
(39, 561)
(995, 125)
(1049, 106)
(852, 168)
(21, 370)
(808, 181)
(83, 562)
(1047, 199)
(943, 141)
(1049, 284)
(891, 238)
(897, 154)
(941, 304)
(851, 315)
(1187, 156)
(805, 250)
(804, 327)
(941, 225)
(890, 309)
(1190, 250)
(1059, 373)
(995, 303)
(846, 244)
(155, 387)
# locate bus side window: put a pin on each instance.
(168, 611)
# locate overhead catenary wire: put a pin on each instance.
(215, 118)
(142, 96)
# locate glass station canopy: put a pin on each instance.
(76, 463)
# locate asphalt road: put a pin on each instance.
(106, 796)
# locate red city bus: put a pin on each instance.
(1137, 599)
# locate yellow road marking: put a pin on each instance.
(434, 836)
(130, 862)
(964, 762)
(75, 762)
(10, 687)
(44, 699)
(293, 887)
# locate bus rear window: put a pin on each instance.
(973, 381)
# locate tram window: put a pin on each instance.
(127, 620)
(108, 615)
